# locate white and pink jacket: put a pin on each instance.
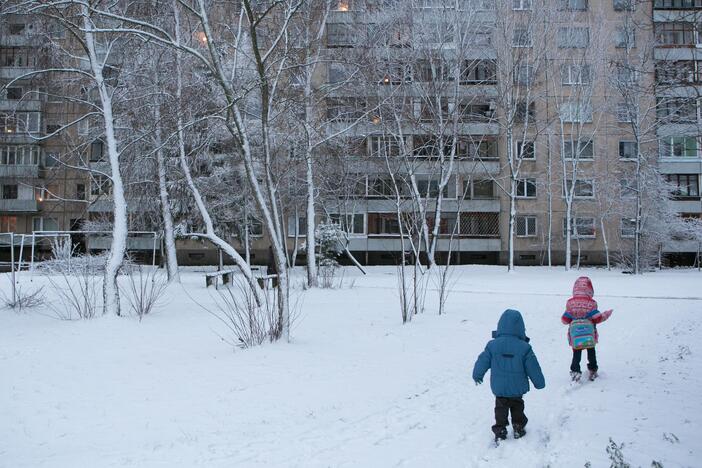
(583, 306)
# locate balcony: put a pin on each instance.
(12, 73)
(133, 243)
(25, 105)
(24, 171)
(18, 205)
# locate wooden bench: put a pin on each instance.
(267, 281)
(212, 278)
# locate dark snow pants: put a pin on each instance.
(591, 360)
(504, 406)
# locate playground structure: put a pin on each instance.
(95, 240)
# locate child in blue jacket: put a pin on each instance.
(512, 363)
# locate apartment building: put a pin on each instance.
(567, 123)
(678, 59)
(440, 98)
(37, 193)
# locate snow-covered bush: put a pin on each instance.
(94, 263)
(146, 286)
(329, 246)
(247, 324)
(22, 298)
(78, 290)
(62, 249)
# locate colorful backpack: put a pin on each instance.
(582, 334)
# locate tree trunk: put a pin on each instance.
(171, 255)
(118, 247)
(310, 227)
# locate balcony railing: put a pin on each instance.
(18, 205)
(24, 171)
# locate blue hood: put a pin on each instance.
(511, 323)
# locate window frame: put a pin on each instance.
(523, 186)
(527, 218)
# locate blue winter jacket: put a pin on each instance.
(510, 358)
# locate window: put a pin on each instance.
(479, 72)
(678, 72)
(482, 149)
(576, 112)
(526, 188)
(19, 155)
(14, 93)
(17, 57)
(628, 150)
(573, 5)
(676, 4)
(96, 151)
(624, 115)
(525, 226)
(479, 36)
(521, 37)
(476, 224)
(575, 74)
(628, 227)
(627, 75)
(623, 5)
(45, 193)
(16, 29)
(624, 37)
(679, 147)
(578, 149)
(345, 5)
(684, 185)
(80, 192)
(428, 146)
(430, 71)
(381, 146)
(9, 192)
(350, 223)
(301, 226)
(521, 4)
(51, 159)
(677, 110)
(394, 74)
(340, 73)
(478, 189)
(430, 188)
(470, 112)
(44, 224)
(255, 227)
(8, 223)
(524, 113)
(19, 122)
(524, 74)
(340, 35)
(573, 37)
(580, 227)
(345, 109)
(676, 34)
(99, 185)
(381, 188)
(525, 150)
(583, 188)
(383, 224)
(430, 110)
(432, 33)
(627, 188)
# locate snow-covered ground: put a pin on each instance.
(355, 388)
